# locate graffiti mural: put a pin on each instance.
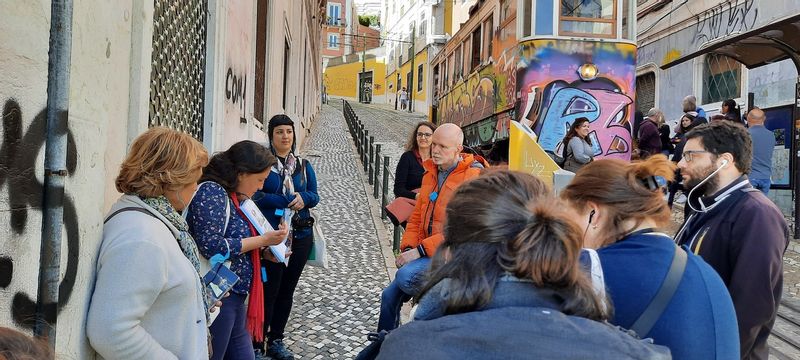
(728, 17)
(484, 93)
(552, 95)
(18, 153)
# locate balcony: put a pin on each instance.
(335, 22)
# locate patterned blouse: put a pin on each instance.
(206, 222)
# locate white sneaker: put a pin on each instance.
(680, 199)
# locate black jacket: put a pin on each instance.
(408, 175)
(743, 236)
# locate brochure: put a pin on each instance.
(219, 280)
(262, 226)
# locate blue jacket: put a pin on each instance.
(271, 197)
(520, 322)
(698, 323)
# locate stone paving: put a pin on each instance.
(335, 308)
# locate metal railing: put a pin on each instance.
(375, 167)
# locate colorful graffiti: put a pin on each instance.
(486, 92)
(552, 95)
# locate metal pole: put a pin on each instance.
(795, 166)
(385, 186)
(396, 238)
(377, 171)
(364, 151)
(55, 168)
(369, 159)
(411, 76)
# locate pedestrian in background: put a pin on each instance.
(149, 301)
(686, 124)
(649, 137)
(690, 105)
(220, 227)
(621, 205)
(735, 228)
(663, 131)
(408, 174)
(506, 284)
(763, 147)
(403, 98)
(578, 149)
(290, 188)
(731, 111)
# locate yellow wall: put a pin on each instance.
(420, 59)
(448, 17)
(342, 80)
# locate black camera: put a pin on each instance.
(302, 223)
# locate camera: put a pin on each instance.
(302, 223)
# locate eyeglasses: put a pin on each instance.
(424, 135)
(689, 155)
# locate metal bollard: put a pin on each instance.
(364, 151)
(396, 237)
(377, 170)
(385, 191)
(370, 153)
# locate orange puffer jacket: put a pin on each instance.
(427, 212)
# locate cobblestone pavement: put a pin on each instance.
(335, 308)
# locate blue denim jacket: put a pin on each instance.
(271, 197)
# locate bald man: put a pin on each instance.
(763, 146)
(444, 172)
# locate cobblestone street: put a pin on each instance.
(335, 307)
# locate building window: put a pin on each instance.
(476, 49)
(588, 18)
(488, 32)
(646, 92)
(459, 64)
(333, 41)
(437, 85)
(508, 16)
(334, 14)
(419, 78)
(423, 26)
(286, 53)
(261, 54)
(721, 78)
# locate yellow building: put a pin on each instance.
(343, 77)
(416, 82)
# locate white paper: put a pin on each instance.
(262, 226)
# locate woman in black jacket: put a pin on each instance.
(408, 175)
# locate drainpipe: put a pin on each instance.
(55, 169)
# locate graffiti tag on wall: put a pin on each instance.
(236, 90)
(18, 153)
(728, 17)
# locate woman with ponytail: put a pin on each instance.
(620, 205)
(220, 227)
(507, 284)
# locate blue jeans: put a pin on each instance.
(406, 284)
(229, 336)
(761, 184)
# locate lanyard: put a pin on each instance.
(435, 196)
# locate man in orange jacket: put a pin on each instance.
(444, 172)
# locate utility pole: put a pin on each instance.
(411, 73)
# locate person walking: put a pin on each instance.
(445, 171)
(148, 300)
(620, 205)
(763, 146)
(289, 191)
(506, 284)
(578, 149)
(220, 227)
(403, 98)
(735, 228)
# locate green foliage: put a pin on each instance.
(369, 20)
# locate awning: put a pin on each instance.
(765, 45)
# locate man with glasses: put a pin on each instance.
(734, 227)
(447, 168)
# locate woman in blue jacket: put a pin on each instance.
(288, 192)
(619, 204)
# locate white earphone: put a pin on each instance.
(688, 196)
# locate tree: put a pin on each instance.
(369, 20)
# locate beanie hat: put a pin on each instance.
(278, 120)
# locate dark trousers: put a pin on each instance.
(279, 289)
(229, 336)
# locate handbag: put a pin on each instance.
(400, 209)
(319, 250)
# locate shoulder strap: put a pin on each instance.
(653, 312)
(131, 208)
